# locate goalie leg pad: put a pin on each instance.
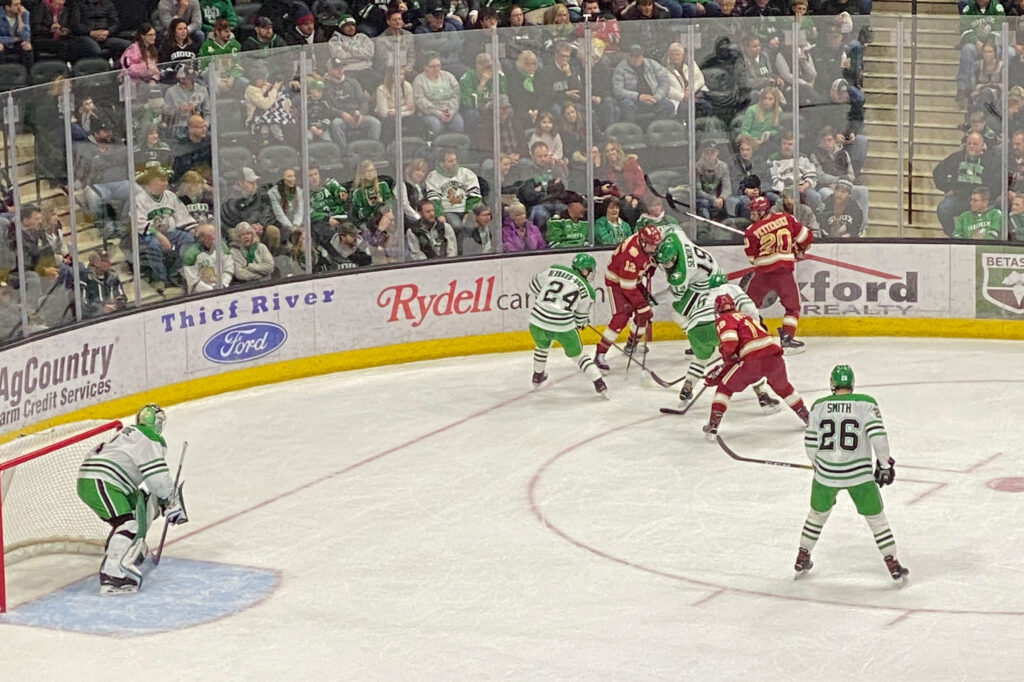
(119, 545)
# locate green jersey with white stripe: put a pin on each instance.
(561, 299)
(843, 431)
(135, 456)
(688, 281)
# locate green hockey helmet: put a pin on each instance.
(584, 261)
(152, 416)
(842, 377)
(716, 280)
(668, 251)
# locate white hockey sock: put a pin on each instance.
(540, 359)
(883, 534)
(812, 528)
(588, 367)
(695, 372)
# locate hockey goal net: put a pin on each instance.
(40, 512)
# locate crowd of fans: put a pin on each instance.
(740, 92)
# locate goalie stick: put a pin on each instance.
(163, 535)
(769, 462)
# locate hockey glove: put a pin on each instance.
(714, 376)
(884, 475)
(643, 316)
(174, 511)
(646, 293)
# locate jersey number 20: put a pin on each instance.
(552, 294)
(847, 432)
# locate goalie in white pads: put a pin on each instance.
(843, 430)
(109, 482)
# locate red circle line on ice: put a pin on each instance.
(718, 588)
(1010, 484)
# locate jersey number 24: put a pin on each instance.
(553, 294)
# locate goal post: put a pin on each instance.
(40, 512)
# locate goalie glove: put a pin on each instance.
(174, 508)
(885, 475)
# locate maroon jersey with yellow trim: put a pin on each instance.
(629, 264)
(773, 242)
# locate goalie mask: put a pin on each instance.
(152, 416)
(842, 377)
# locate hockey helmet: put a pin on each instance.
(650, 238)
(842, 377)
(668, 252)
(716, 280)
(760, 206)
(724, 304)
(151, 415)
(584, 261)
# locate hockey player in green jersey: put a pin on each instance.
(109, 480)
(843, 430)
(562, 298)
(695, 278)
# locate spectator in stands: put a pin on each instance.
(179, 45)
(526, 36)
(603, 108)
(556, 25)
(251, 204)
(611, 228)
(960, 173)
(348, 249)
(263, 37)
(760, 71)
(304, 31)
(51, 31)
(641, 87)
(832, 61)
(802, 212)
(979, 21)
(623, 171)
(253, 261)
(293, 261)
(220, 41)
(440, 34)
(559, 80)
(437, 98)
(430, 238)
(380, 235)
(261, 104)
(287, 204)
(478, 240)
(95, 21)
(319, 112)
(101, 287)
(385, 109)
(187, 10)
(802, 76)
(195, 152)
(604, 28)
(200, 261)
(454, 189)
(369, 192)
(682, 85)
(726, 78)
(761, 120)
(988, 79)
(547, 133)
(568, 228)
(328, 201)
(746, 171)
(152, 150)
(840, 216)
(197, 196)
(214, 10)
(833, 164)
(101, 167)
(183, 100)
(1015, 163)
(356, 52)
(979, 221)
(16, 34)
(415, 175)
(163, 225)
(785, 172)
(655, 215)
(573, 131)
(518, 233)
(282, 13)
(714, 185)
(646, 10)
(694, 9)
(543, 187)
(476, 91)
(1016, 219)
(348, 100)
(395, 33)
(523, 87)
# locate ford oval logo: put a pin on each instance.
(244, 342)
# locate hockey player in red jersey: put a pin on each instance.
(749, 353)
(773, 242)
(632, 262)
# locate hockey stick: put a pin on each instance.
(163, 535)
(769, 462)
(643, 367)
(672, 410)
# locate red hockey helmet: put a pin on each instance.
(760, 206)
(724, 303)
(650, 238)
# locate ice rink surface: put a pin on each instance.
(438, 521)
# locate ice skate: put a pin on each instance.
(789, 344)
(711, 431)
(803, 563)
(686, 393)
(632, 346)
(769, 405)
(110, 585)
(538, 379)
(601, 362)
(601, 388)
(898, 572)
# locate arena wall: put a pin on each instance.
(192, 348)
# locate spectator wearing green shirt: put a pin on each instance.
(980, 221)
(569, 230)
(476, 91)
(980, 20)
(611, 228)
(220, 42)
(213, 10)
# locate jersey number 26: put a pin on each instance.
(847, 432)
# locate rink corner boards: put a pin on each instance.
(249, 377)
